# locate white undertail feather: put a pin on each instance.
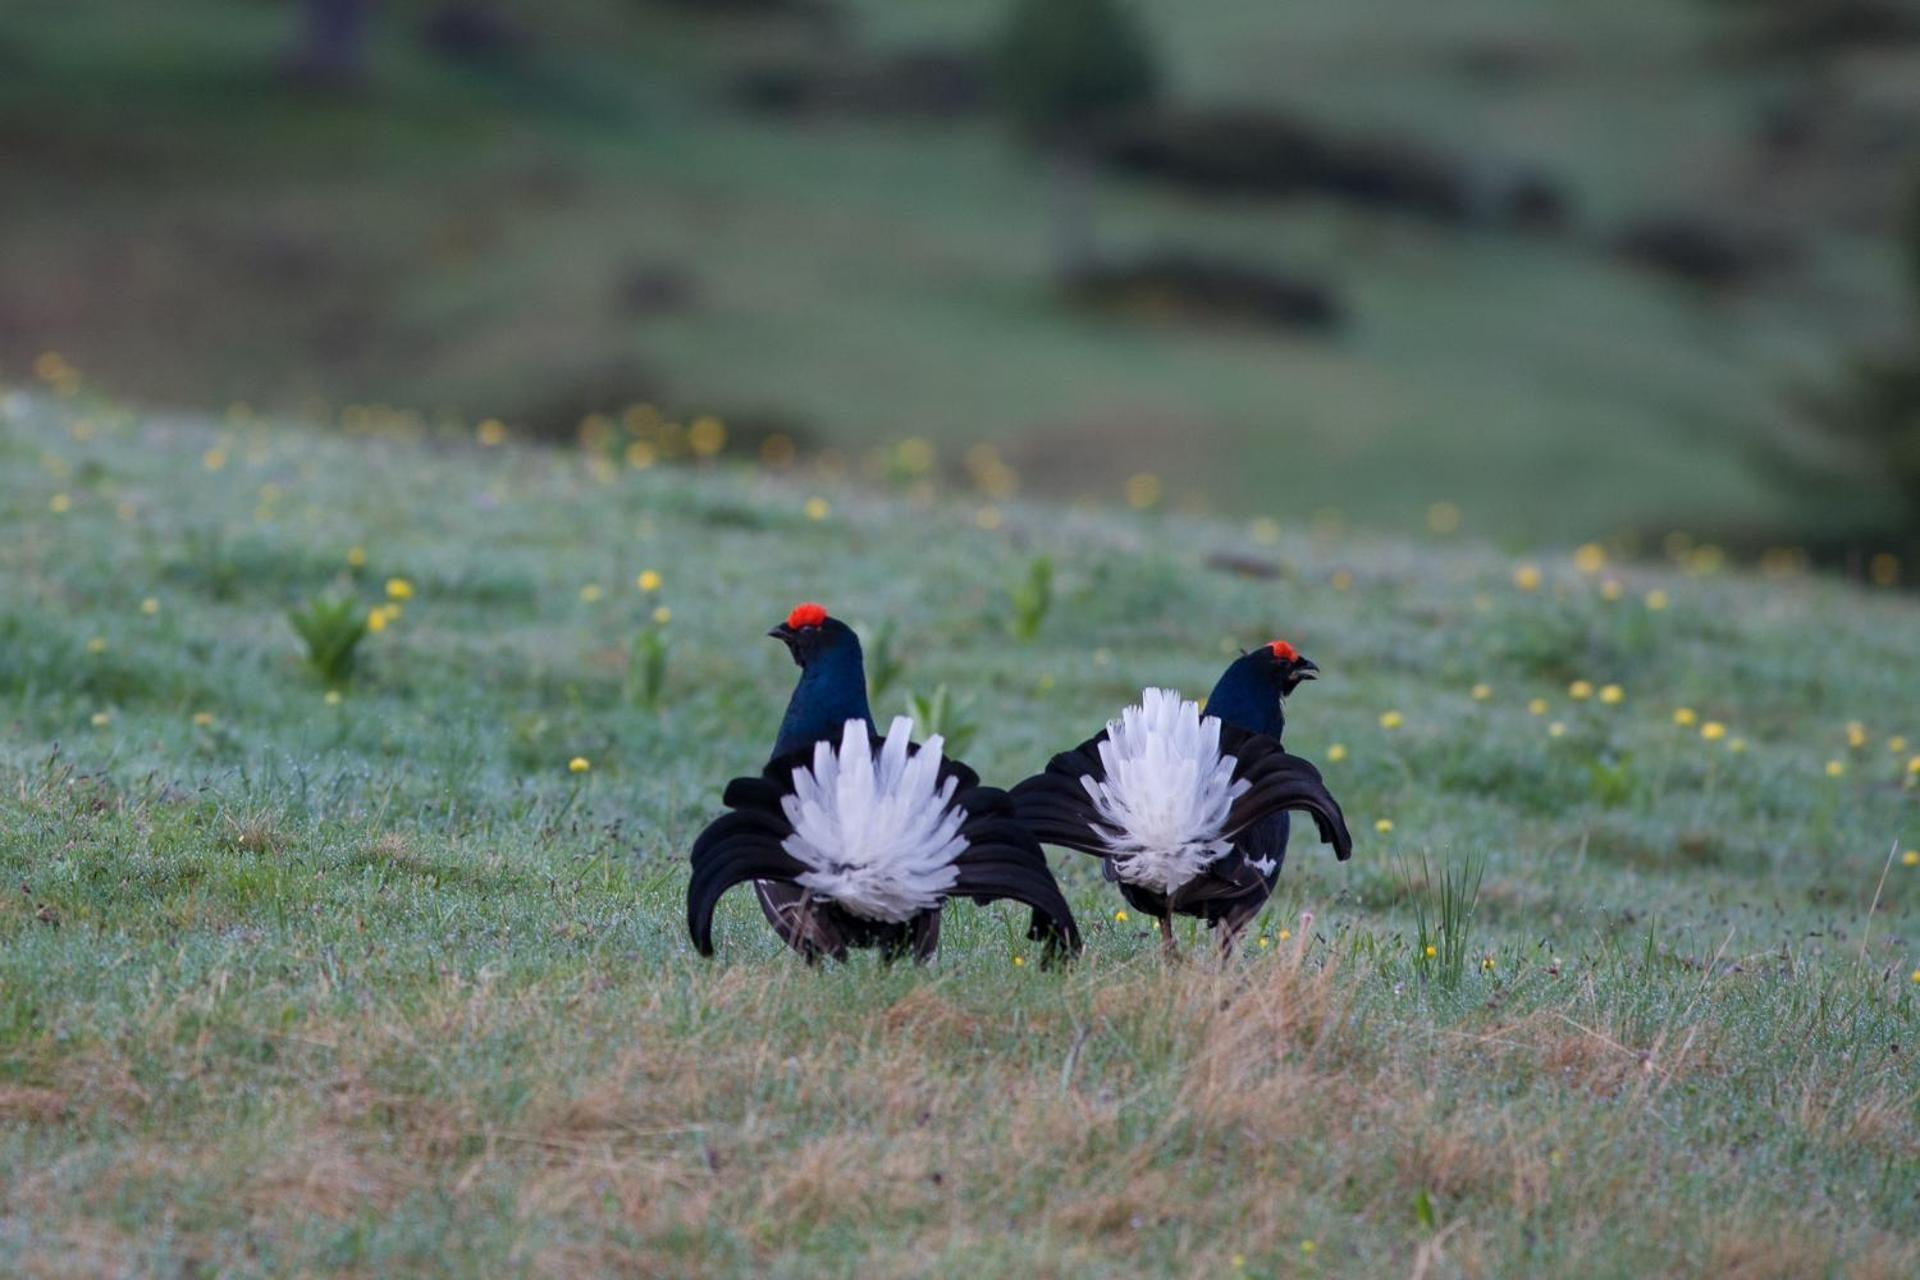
(880, 836)
(1168, 789)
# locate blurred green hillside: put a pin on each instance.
(576, 206)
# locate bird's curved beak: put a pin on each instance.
(783, 633)
(1306, 669)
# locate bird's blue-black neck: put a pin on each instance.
(832, 691)
(1246, 696)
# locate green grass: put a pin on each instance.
(457, 240)
(380, 986)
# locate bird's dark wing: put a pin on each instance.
(1278, 782)
(1054, 803)
(1004, 860)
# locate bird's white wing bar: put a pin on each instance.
(1168, 790)
(879, 836)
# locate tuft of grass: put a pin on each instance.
(1032, 599)
(1443, 908)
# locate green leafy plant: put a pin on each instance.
(1032, 599)
(883, 660)
(332, 628)
(647, 668)
(946, 715)
(1443, 916)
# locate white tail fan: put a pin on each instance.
(880, 835)
(1167, 792)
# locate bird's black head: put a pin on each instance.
(810, 634)
(1251, 691)
(1287, 667)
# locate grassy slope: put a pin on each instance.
(459, 239)
(381, 986)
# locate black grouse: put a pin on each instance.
(1188, 811)
(857, 840)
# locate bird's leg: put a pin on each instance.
(1166, 935)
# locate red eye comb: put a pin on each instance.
(1284, 651)
(806, 615)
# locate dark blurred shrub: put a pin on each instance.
(1878, 412)
(1066, 65)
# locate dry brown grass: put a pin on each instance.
(1226, 1107)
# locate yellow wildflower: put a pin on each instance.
(1391, 720)
(640, 455)
(1143, 490)
(1481, 692)
(1590, 558)
(1120, 917)
(579, 764)
(399, 589)
(1384, 826)
(333, 698)
(1019, 962)
(1657, 600)
(1432, 951)
(1836, 768)
(356, 557)
(1336, 753)
(60, 504)
(649, 580)
(204, 719)
(1611, 590)
(1527, 577)
(707, 436)
(492, 433)
(1685, 717)
(1285, 934)
(1896, 744)
(214, 459)
(817, 508)
(591, 593)
(1537, 706)
(101, 719)
(1612, 694)
(96, 645)
(376, 620)
(1713, 731)
(662, 616)
(1341, 580)
(1911, 858)
(1856, 734)
(1580, 690)
(1737, 745)
(1557, 730)
(915, 455)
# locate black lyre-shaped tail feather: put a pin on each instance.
(1001, 860)
(1004, 860)
(1057, 808)
(1281, 781)
(738, 846)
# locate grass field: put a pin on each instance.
(381, 984)
(460, 237)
